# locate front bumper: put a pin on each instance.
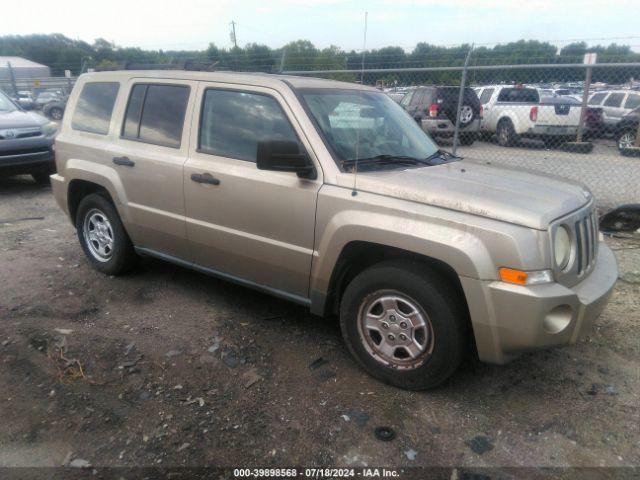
(516, 319)
(22, 156)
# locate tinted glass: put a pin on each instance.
(418, 97)
(596, 99)
(614, 100)
(232, 123)
(163, 114)
(633, 101)
(134, 109)
(520, 95)
(486, 95)
(94, 107)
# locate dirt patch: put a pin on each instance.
(170, 367)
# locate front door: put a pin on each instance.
(252, 225)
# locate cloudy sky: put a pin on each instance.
(192, 24)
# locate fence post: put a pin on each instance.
(282, 59)
(585, 98)
(13, 79)
(463, 80)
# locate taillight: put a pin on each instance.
(533, 114)
(433, 110)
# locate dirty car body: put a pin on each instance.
(343, 204)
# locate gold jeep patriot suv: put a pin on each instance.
(328, 194)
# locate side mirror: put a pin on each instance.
(284, 156)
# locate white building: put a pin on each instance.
(23, 69)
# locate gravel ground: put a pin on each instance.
(169, 367)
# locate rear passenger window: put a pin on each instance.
(94, 107)
(232, 123)
(155, 114)
(486, 95)
(614, 100)
(633, 101)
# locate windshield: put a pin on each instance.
(367, 125)
(6, 105)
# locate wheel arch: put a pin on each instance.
(356, 256)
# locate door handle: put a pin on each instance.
(124, 161)
(204, 178)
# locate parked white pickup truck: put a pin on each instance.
(512, 112)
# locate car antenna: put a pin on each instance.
(354, 192)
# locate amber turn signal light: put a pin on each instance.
(510, 275)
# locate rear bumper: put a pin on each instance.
(443, 127)
(516, 319)
(59, 188)
(552, 130)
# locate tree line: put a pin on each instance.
(61, 53)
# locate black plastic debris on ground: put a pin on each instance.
(480, 444)
(625, 218)
(385, 434)
(359, 417)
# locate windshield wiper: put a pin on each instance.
(383, 159)
(440, 156)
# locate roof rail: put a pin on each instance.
(189, 65)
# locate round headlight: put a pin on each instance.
(50, 129)
(562, 246)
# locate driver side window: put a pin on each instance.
(233, 122)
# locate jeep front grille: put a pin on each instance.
(586, 234)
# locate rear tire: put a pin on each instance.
(395, 289)
(103, 237)
(506, 134)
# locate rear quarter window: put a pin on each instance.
(94, 107)
(486, 95)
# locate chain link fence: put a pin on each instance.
(572, 120)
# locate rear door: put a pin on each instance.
(612, 110)
(149, 158)
(255, 226)
(485, 95)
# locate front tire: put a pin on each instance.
(626, 141)
(103, 237)
(404, 324)
(56, 113)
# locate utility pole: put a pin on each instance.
(589, 59)
(13, 79)
(463, 82)
(233, 34)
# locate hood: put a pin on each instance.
(20, 119)
(529, 199)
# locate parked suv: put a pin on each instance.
(435, 109)
(628, 131)
(26, 142)
(329, 195)
(615, 104)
